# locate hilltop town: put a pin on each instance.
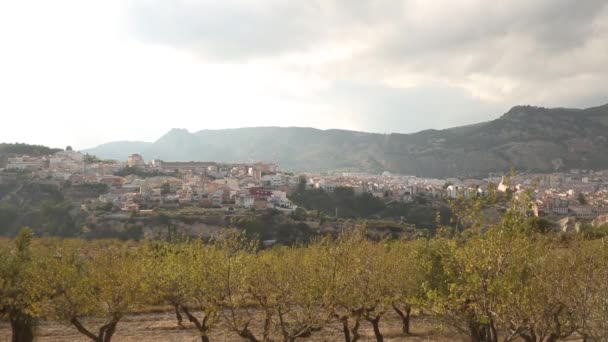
(568, 200)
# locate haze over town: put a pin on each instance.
(131, 70)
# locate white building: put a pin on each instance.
(273, 180)
(245, 201)
(136, 160)
(24, 163)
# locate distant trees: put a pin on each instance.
(365, 205)
(32, 150)
(8, 215)
(581, 199)
(92, 189)
(344, 199)
(57, 220)
(135, 170)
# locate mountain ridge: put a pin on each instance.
(528, 138)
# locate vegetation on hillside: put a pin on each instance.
(134, 170)
(27, 149)
(347, 204)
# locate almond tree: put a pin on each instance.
(246, 296)
(474, 273)
(589, 296)
(406, 277)
(203, 287)
(299, 290)
(362, 283)
(534, 303)
(22, 288)
(338, 258)
(239, 272)
(100, 283)
(165, 272)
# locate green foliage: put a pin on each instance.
(134, 170)
(343, 198)
(31, 150)
(350, 205)
(510, 278)
(92, 189)
(272, 225)
(165, 188)
(104, 283)
(21, 288)
(581, 199)
(588, 231)
(58, 220)
(91, 159)
(8, 215)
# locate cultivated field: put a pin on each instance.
(162, 326)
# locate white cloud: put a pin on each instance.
(86, 72)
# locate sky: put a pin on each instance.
(82, 73)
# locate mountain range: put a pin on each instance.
(526, 138)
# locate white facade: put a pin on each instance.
(273, 180)
(135, 160)
(24, 163)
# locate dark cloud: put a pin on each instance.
(477, 53)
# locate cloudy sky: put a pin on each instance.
(86, 72)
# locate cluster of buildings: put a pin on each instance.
(578, 193)
(207, 185)
(204, 184)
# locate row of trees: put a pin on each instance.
(505, 281)
(498, 285)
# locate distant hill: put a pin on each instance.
(526, 138)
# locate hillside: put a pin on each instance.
(527, 138)
(7, 150)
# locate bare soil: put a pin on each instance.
(162, 326)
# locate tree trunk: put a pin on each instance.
(267, 325)
(22, 328)
(107, 331)
(476, 333)
(355, 330)
(482, 332)
(178, 316)
(405, 318)
(246, 334)
(492, 334)
(201, 326)
(376, 325)
(76, 323)
(531, 336)
(345, 330)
